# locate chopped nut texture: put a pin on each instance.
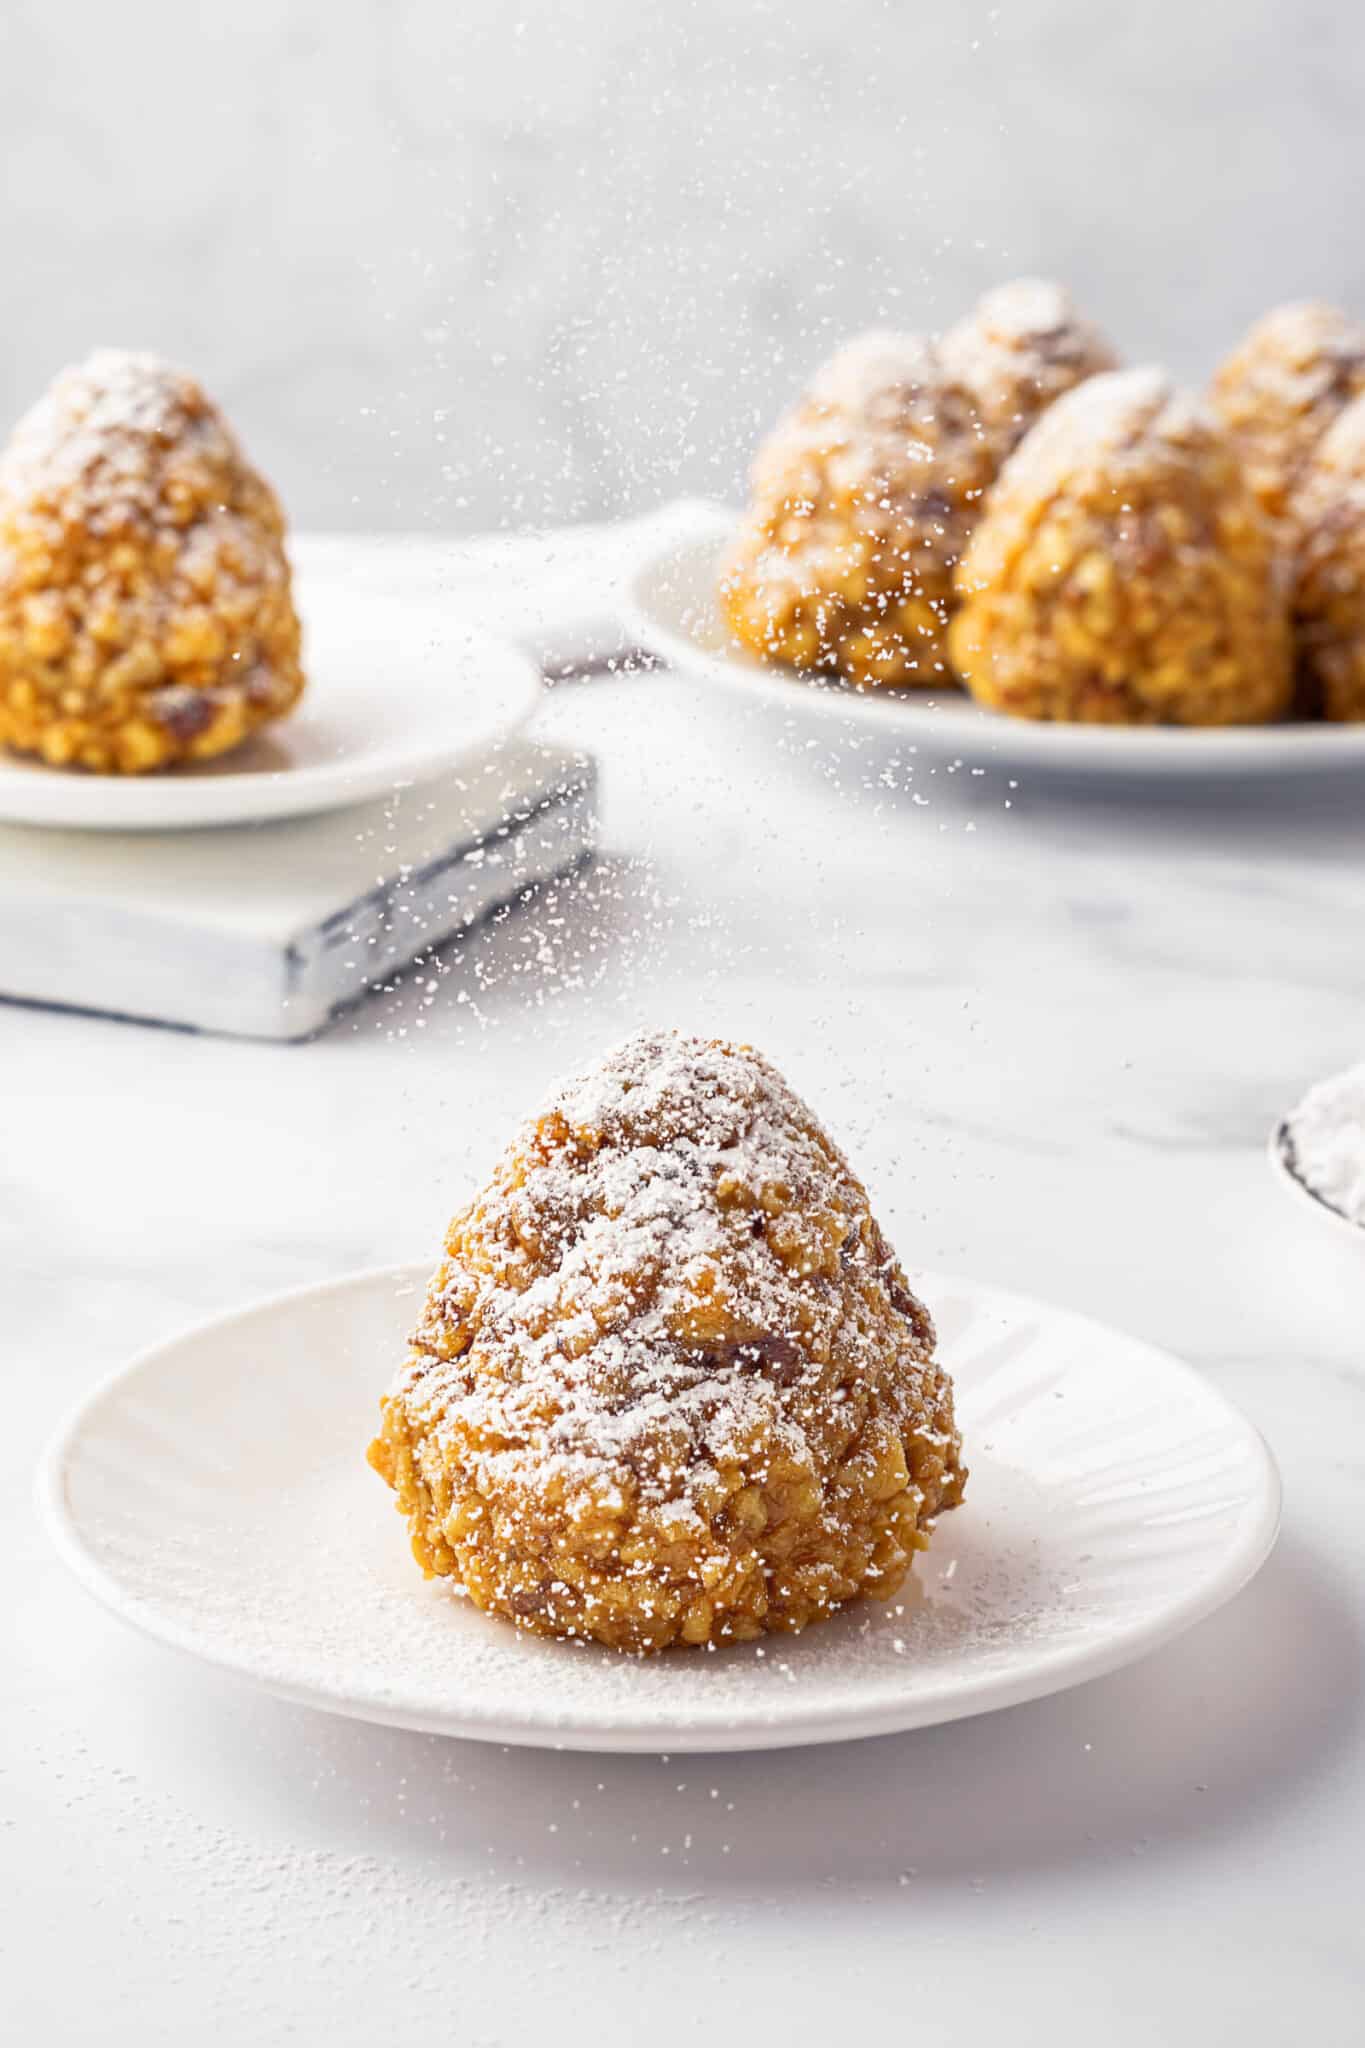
(670, 1385)
(862, 500)
(1282, 387)
(1021, 348)
(1123, 572)
(145, 607)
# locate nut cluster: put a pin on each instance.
(1282, 387)
(1124, 573)
(670, 1385)
(1022, 348)
(861, 503)
(145, 607)
(865, 494)
(1006, 511)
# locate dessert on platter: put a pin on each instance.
(864, 495)
(670, 1385)
(861, 502)
(1022, 347)
(1004, 509)
(145, 608)
(1281, 388)
(1123, 572)
(1329, 571)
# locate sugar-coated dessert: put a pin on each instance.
(145, 607)
(1282, 387)
(861, 502)
(1329, 571)
(1023, 346)
(670, 1384)
(1123, 572)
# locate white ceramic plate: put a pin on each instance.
(1304, 1198)
(215, 1494)
(399, 691)
(674, 613)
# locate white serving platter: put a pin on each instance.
(673, 612)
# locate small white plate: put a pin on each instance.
(215, 1494)
(1305, 1199)
(399, 691)
(672, 597)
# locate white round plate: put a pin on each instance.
(215, 1493)
(399, 691)
(672, 598)
(1304, 1198)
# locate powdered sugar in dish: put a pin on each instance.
(1323, 1143)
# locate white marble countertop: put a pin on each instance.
(1054, 1037)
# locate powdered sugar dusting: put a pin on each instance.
(97, 444)
(1297, 359)
(1282, 387)
(1326, 1143)
(1022, 348)
(1103, 422)
(682, 1162)
(875, 371)
(1025, 311)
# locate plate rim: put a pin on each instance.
(205, 802)
(1068, 1666)
(1306, 747)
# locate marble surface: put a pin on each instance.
(466, 265)
(1053, 1029)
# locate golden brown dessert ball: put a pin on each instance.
(670, 1385)
(1123, 572)
(862, 499)
(145, 607)
(1329, 571)
(1282, 387)
(1022, 347)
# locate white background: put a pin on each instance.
(455, 265)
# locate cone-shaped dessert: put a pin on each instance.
(1329, 580)
(670, 1385)
(145, 608)
(1123, 572)
(1282, 387)
(861, 502)
(1022, 347)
